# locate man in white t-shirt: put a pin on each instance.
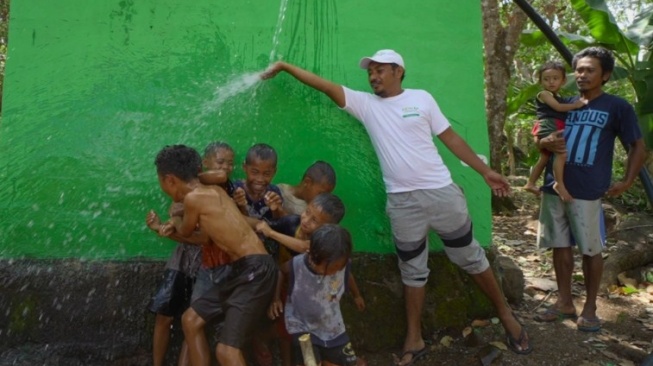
(421, 193)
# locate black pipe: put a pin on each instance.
(544, 27)
(567, 55)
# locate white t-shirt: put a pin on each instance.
(401, 129)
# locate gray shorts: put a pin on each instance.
(444, 210)
(563, 224)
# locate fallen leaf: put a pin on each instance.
(629, 290)
(446, 341)
(499, 345)
(611, 355)
(467, 331)
(542, 284)
(478, 323)
(625, 280)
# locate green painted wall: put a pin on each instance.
(94, 89)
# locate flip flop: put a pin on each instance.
(415, 356)
(553, 314)
(588, 324)
(515, 344)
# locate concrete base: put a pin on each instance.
(94, 312)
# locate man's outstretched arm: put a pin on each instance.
(331, 89)
(460, 148)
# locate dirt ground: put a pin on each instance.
(625, 338)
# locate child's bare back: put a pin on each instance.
(218, 217)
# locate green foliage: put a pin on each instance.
(602, 25)
(593, 23)
(629, 290)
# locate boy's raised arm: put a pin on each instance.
(548, 98)
(292, 243)
(186, 226)
(331, 89)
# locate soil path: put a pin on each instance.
(625, 338)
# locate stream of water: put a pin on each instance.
(244, 82)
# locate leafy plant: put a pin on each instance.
(631, 47)
(633, 75)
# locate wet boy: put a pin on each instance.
(218, 163)
(262, 199)
(248, 288)
(173, 293)
(318, 178)
(294, 231)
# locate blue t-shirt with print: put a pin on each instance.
(590, 133)
(258, 209)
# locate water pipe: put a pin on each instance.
(567, 55)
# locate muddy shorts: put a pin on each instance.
(563, 224)
(172, 295)
(342, 355)
(207, 304)
(246, 294)
(444, 210)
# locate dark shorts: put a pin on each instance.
(207, 304)
(172, 296)
(342, 355)
(246, 294)
(546, 126)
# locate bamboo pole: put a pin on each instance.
(307, 350)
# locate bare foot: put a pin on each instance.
(562, 192)
(529, 187)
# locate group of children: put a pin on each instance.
(258, 260)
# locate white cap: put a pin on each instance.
(383, 57)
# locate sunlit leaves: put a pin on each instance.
(602, 26)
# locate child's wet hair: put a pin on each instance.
(263, 152)
(330, 243)
(179, 160)
(551, 65)
(321, 172)
(331, 205)
(212, 148)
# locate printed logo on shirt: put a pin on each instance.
(582, 131)
(410, 112)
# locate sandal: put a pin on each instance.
(415, 356)
(588, 324)
(515, 344)
(553, 314)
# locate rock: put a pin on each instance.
(625, 280)
(512, 279)
(543, 284)
(489, 355)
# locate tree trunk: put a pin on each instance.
(500, 46)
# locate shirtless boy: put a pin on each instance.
(248, 289)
